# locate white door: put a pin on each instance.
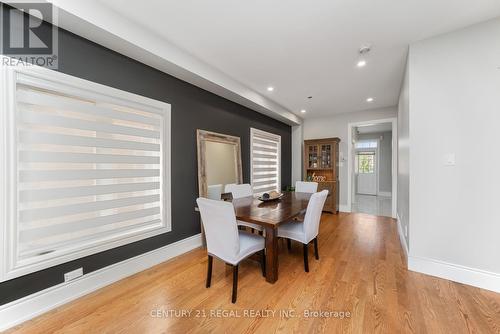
(366, 163)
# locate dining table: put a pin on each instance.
(270, 215)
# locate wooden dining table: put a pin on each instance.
(270, 215)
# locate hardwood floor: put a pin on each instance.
(361, 270)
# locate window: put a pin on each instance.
(88, 169)
(265, 157)
(366, 144)
(366, 162)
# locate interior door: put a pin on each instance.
(366, 163)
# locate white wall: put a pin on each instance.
(297, 153)
(403, 207)
(454, 89)
(336, 126)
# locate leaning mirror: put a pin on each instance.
(219, 163)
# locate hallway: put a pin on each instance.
(373, 205)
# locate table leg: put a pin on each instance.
(271, 255)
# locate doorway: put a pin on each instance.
(366, 171)
(372, 167)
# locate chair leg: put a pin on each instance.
(289, 244)
(235, 284)
(306, 258)
(316, 253)
(263, 262)
(209, 270)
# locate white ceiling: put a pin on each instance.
(375, 128)
(306, 48)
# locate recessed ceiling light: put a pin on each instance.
(270, 88)
(363, 52)
(370, 99)
(303, 111)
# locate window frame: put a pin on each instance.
(366, 153)
(253, 132)
(366, 144)
(65, 84)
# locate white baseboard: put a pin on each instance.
(385, 193)
(344, 208)
(453, 272)
(457, 273)
(26, 308)
(402, 238)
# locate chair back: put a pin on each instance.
(306, 187)
(313, 214)
(221, 230)
(214, 191)
(239, 190)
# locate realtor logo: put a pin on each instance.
(25, 37)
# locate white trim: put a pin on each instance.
(450, 271)
(377, 156)
(350, 153)
(384, 193)
(26, 308)
(72, 85)
(454, 272)
(344, 208)
(66, 84)
(401, 234)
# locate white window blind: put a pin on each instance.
(265, 154)
(89, 170)
(366, 144)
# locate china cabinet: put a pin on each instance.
(321, 165)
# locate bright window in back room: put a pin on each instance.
(366, 162)
(265, 157)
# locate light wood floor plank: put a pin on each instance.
(361, 270)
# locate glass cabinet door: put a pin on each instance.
(312, 156)
(326, 156)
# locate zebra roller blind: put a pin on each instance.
(89, 170)
(265, 154)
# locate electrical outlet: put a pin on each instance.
(73, 274)
(449, 159)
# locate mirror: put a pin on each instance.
(219, 163)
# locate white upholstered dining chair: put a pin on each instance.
(306, 187)
(308, 230)
(214, 191)
(239, 191)
(225, 241)
(303, 187)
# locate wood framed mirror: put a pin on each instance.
(219, 162)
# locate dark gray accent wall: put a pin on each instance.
(192, 108)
